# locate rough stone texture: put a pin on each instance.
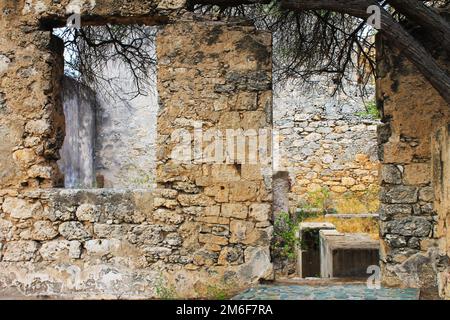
(441, 179)
(409, 255)
(225, 84)
(324, 141)
(128, 243)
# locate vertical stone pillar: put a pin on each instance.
(31, 118)
(441, 185)
(411, 110)
(281, 190)
(215, 81)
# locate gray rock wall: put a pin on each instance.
(325, 140)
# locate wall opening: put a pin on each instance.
(328, 144)
(110, 104)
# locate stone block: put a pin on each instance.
(234, 210)
(399, 194)
(260, 211)
(195, 200)
(41, 231)
(231, 256)
(213, 239)
(102, 247)
(6, 230)
(243, 191)
(20, 208)
(409, 226)
(417, 173)
(390, 174)
(168, 216)
(88, 213)
(17, 251)
(74, 230)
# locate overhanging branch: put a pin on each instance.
(391, 30)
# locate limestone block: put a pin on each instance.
(260, 211)
(389, 211)
(234, 210)
(38, 127)
(114, 231)
(25, 157)
(146, 234)
(209, 238)
(102, 247)
(41, 231)
(213, 220)
(59, 250)
(231, 255)
(88, 212)
(243, 191)
(20, 208)
(195, 200)
(426, 194)
(241, 230)
(74, 230)
(173, 239)
(417, 173)
(6, 230)
(20, 251)
(168, 216)
(251, 172)
(390, 174)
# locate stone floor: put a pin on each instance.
(332, 292)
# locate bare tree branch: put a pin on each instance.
(392, 31)
(419, 13)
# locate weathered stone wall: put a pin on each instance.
(208, 225)
(125, 149)
(412, 110)
(441, 181)
(325, 140)
(219, 76)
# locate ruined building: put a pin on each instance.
(204, 223)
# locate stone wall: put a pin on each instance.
(218, 76)
(206, 226)
(110, 138)
(412, 110)
(125, 149)
(441, 179)
(77, 162)
(326, 141)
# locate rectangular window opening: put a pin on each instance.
(110, 106)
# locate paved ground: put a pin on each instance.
(331, 292)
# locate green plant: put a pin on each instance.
(164, 291)
(285, 235)
(217, 293)
(371, 111)
(320, 200)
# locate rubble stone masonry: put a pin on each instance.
(326, 141)
(412, 111)
(206, 226)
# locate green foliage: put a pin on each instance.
(319, 200)
(164, 291)
(285, 235)
(217, 293)
(371, 111)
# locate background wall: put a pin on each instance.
(326, 141)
